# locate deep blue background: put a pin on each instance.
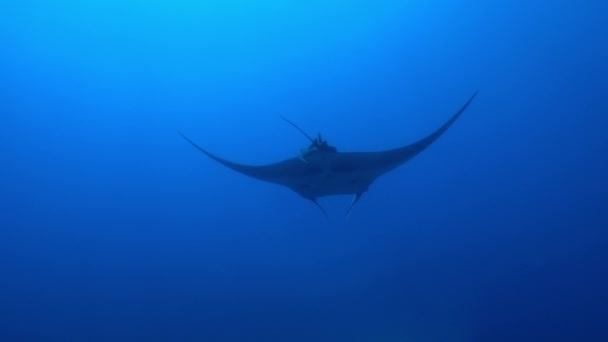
(114, 228)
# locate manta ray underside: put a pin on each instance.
(326, 172)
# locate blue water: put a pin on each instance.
(113, 228)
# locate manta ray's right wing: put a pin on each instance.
(371, 165)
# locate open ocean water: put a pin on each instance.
(113, 228)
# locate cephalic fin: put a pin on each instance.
(356, 199)
(301, 157)
(314, 200)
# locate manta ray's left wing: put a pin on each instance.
(283, 172)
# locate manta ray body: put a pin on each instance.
(326, 172)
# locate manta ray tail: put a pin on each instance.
(298, 128)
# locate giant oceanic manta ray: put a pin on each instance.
(323, 171)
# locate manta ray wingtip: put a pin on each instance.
(182, 134)
(474, 94)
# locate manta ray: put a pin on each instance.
(323, 171)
